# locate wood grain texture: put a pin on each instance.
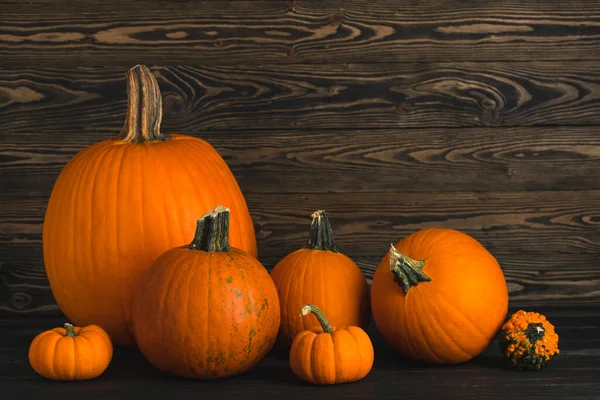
(316, 31)
(366, 223)
(547, 242)
(419, 160)
(504, 222)
(532, 279)
(350, 96)
(572, 374)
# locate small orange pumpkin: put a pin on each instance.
(207, 310)
(439, 296)
(325, 355)
(320, 274)
(528, 340)
(71, 352)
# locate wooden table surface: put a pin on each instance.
(575, 373)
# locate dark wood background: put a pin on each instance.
(482, 116)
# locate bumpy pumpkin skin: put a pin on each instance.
(324, 355)
(451, 313)
(119, 204)
(528, 340)
(205, 314)
(71, 353)
(315, 275)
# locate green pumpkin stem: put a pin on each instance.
(407, 272)
(309, 308)
(70, 330)
(144, 110)
(212, 231)
(320, 235)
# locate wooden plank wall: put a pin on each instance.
(393, 115)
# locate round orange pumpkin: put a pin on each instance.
(439, 296)
(120, 203)
(325, 355)
(319, 274)
(206, 310)
(71, 353)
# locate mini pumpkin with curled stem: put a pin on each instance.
(528, 340)
(325, 355)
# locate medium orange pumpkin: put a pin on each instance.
(319, 274)
(206, 310)
(120, 203)
(439, 296)
(325, 355)
(71, 353)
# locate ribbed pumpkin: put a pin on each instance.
(319, 274)
(325, 355)
(439, 296)
(120, 203)
(71, 353)
(206, 310)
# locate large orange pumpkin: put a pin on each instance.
(439, 296)
(319, 274)
(120, 203)
(207, 310)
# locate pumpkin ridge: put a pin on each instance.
(454, 308)
(413, 307)
(89, 343)
(310, 365)
(54, 353)
(74, 248)
(450, 338)
(405, 328)
(185, 169)
(116, 191)
(88, 175)
(99, 172)
(191, 280)
(286, 292)
(361, 356)
(170, 215)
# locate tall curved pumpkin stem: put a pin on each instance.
(212, 231)
(317, 312)
(144, 110)
(407, 272)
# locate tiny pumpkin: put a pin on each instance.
(325, 355)
(319, 274)
(71, 352)
(528, 340)
(207, 310)
(439, 296)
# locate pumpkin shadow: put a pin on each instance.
(387, 358)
